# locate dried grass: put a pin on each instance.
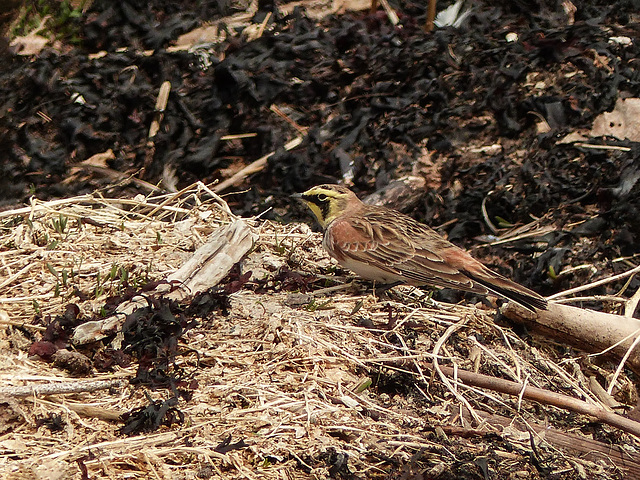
(51, 250)
(292, 382)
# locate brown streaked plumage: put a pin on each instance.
(387, 246)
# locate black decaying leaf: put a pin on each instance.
(226, 445)
(151, 417)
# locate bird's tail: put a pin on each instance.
(509, 289)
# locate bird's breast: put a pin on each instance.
(365, 270)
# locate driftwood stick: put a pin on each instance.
(588, 330)
(211, 262)
(41, 390)
(535, 394)
(586, 448)
(544, 397)
(209, 265)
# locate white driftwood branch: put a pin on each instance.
(208, 265)
(588, 330)
(40, 390)
(211, 262)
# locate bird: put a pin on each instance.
(389, 247)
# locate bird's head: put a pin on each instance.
(327, 202)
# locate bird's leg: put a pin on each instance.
(378, 290)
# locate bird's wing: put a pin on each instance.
(418, 255)
(415, 253)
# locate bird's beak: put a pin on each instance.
(297, 196)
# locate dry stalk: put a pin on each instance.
(588, 286)
(441, 341)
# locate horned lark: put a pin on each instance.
(388, 247)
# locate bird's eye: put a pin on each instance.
(322, 197)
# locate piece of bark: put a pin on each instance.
(73, 362)
(586, 330)
(208, 265)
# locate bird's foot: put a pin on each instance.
(380, 290)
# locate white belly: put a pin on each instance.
(369, 272)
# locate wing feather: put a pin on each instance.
(409, 253)
(385, 245)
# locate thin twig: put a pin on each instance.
(614, 377)
(254, 167)
(604, 281)
(59, 388)
(453, 328)
(632, 304)
(391, 14)
(431, 15)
